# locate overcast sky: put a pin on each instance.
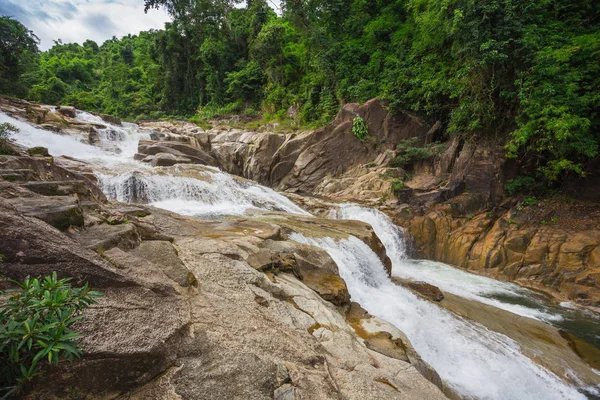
(78, 20)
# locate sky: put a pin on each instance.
(78, 20)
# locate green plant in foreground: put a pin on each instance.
(35, 327)
(359, 128)
(6, 130)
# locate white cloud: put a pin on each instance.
(79, 20)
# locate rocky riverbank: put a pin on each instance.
(453, 203)
(244, 293)
(189, 304)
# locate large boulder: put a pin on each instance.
(184, 151)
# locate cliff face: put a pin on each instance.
(453, 204)
(500, 244)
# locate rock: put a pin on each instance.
(38, 151)
(17, 175)
(383, 343)
(282, 375)
(310, 264)
(426, 290)
(110, 119)
(59, 188)
(164, 255)
(164, 160)
(60, 212)
(103, 237)
(194, 155)
(292, 113)
(67, 111)
(285, 392)
(32, 247)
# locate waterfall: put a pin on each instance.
(447, 278)
(475, 361)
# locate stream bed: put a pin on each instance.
(477, 362)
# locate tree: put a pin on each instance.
(18, 49)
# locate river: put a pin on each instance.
(477, 362)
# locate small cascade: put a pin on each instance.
(473, 360)
(122, 139)
(212, 194)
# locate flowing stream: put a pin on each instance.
(473, 360)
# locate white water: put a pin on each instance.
(475, 361)
(121, 178)
(218, 195)
(447, 278)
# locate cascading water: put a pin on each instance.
(121, 178)
(214, 195)
(503, 295)
(476, 362)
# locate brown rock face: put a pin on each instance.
(545, 257)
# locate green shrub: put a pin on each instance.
(519, 185)
(409, 153)
(397, 186)
(359, 128)
(35, 327)
(6, 130)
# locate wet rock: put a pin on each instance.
(424, 289)
(163, 160)
(194, 155)
(67, 111)
(110, 119)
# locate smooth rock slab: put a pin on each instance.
(58, 188)
(105, 236)
(60, 211)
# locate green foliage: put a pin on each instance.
(410, 153)
(36, 327)
(359, 129)
(397, 186)
(529, 201)
(521, 184)
(6, 130)
(18, 51)
(525, 71)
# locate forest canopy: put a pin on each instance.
(523, 71)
